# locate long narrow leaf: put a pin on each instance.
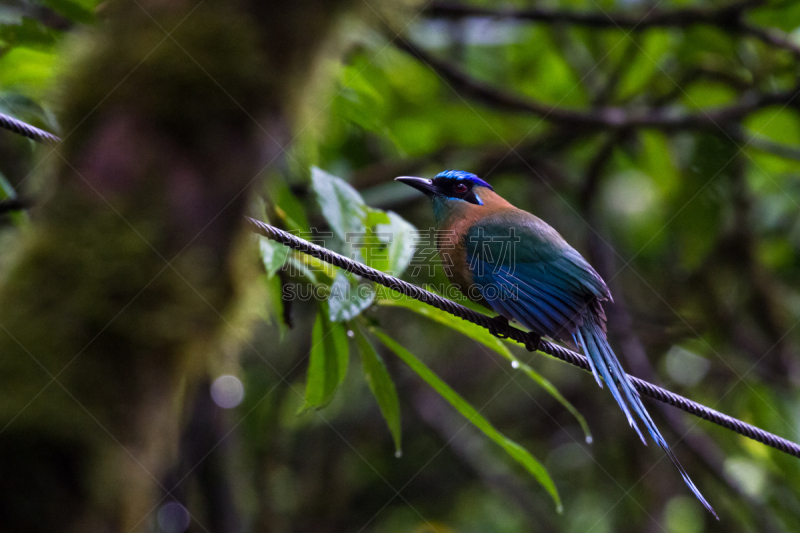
(72, 10)
(381, 385)
(482, 336)
(469, 329)
(516, 451)
(329, 358)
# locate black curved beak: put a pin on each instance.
(421, 184)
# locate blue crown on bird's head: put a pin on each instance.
(463, 175)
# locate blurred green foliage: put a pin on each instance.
(697, 232)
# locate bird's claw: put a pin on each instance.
(499, 323)
(533, 342)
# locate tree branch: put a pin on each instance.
(765, 145)
(728, 18)
(13, 204)
(613, 118)
(770, 36)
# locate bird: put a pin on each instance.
(517, 265)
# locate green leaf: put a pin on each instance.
(298, 267)
(381, 385)
(351, 77)
(346, 300)
(646, 64)
(517, 452)
(287, 207)
(327, 367)
(77, 11)
(399, 236)
(341, 205)
(381, 240)
(29, 33)
(272, 310)
(349, 106)
(780, 124)
(657, 161)
(469, 329)
(374, 217)
(27, 71)
(783, 15)
(483, 336)
(357, 101)
(19, 218)
(273, 255)
(369, 248)
(6, 189)
(704, 94)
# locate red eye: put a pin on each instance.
(460, 188)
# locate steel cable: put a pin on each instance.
(504, 330)
(26, 130)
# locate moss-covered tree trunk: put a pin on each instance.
(120, 291)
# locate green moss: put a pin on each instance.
(207, 69)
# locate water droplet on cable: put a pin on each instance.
(515, 364)
(227, 391)
(173, 518)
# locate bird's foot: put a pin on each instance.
(533, 342)
(499, 323)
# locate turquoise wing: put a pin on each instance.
(526, 271)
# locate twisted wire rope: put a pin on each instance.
(26, 130)
(505, 330)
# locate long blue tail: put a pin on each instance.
(606, 365)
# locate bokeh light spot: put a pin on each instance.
(173, 518)
(227, 391)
